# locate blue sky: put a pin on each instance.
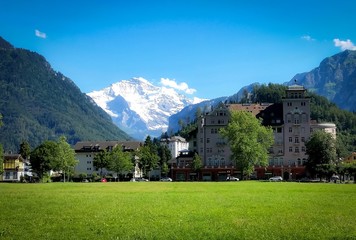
(207, 48)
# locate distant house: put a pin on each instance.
(14, 168)
(351, 158)
(86, 151)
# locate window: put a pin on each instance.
(88, 162)
(290, 139)
(303, 149)
(296, 149)
(302, 104)
(290, 130)
(299, 162)
(9, 164)
(289, 118)
(290, 149)
(296, 140)
(209, 161)
(214, 131)
(303, 139)
(208, 140)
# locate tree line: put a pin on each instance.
(59, 156)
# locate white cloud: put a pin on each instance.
(344, 45)
(181, 86)
(307, 38)
(40, 34)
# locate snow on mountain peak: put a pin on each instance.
(148, 107)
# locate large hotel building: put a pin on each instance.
(291, 124)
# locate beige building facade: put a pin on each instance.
(292, 127)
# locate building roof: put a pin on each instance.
(95, 146)
(254, 108)
(13, 157)
(272, 115)
(174, 139)
(296, 87)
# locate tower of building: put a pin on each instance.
(296, 117)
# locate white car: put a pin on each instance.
(139, 180)
(232, 179)
(276, 179)
(166, 179)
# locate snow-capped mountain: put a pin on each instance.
(140, 108)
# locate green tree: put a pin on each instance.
(1, 153)
(148, 159)
(44, 157)
(198, 113)
(350, 168)
(164, 155)
(119, 161)
(65, 160)
(25, 149)
(249, 141)
(321, 151)
(1, 160)
(196, 164)
(164, 169)
(101, 160)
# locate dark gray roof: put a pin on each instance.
(95, 146)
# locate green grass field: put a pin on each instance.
(164, 210)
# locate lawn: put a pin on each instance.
(165, 210)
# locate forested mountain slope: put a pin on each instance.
(38, 103)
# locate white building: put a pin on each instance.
(175, 144)
(86, 151)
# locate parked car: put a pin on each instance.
(140, 179)
(232, 179)
(276, 179)
(166, 179)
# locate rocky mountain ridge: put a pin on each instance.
(334, 78)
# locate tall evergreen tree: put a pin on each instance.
(25, 149)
